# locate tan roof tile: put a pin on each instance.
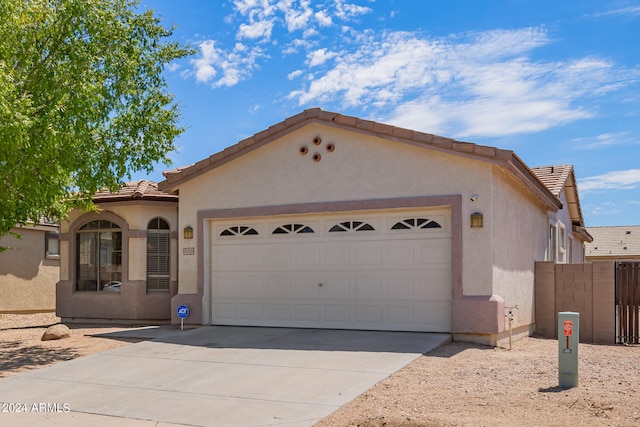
(136, 190)
(553, 177)
(614, 241)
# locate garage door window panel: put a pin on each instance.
(351, 226)
(416, 224)
(239, 230)
(288, 229)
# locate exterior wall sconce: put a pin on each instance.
(188, 232)
(476, 220)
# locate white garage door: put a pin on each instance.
(385, 271)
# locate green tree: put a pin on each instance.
(83, 102)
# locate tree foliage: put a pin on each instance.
(83, 102)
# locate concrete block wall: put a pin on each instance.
(588, 289)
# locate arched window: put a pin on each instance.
(158, 255)
(99, 256)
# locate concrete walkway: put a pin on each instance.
(212, 376)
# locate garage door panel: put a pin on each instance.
(336, 256)
(277, 312)
(278, 256)
(337, 286)
(400, 255)
(308, 256)
(277, 286)
(367, 314)
(336, 313)
(366, 255)
(435, 252)
(434, 285)
(435, 313)
(368, 286)
(306, 286)
(230, 285)
(400, 286)
(401, 315)
(369, 279)
(308, 313)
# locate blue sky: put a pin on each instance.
(558, 82)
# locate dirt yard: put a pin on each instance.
(458, 384)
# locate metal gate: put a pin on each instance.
(628, 302)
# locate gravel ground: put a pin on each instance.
(459, 384)
(22, 350)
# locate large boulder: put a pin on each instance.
(56, 332)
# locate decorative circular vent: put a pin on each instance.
(304, 150)
(317, 157)
(330, 147)
(317, 140)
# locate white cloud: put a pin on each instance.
(606, 208)
(323, 18)
(485, 83)
(346, 10)
(320, 56)
(256, 30)
(294, 74)
(624, 11)
(203, 65)
(603, 140)
(616, 180)
(296, 19)
(234, 66)
(174, 66)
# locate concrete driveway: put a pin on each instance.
(212, 376)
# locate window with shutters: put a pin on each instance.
(158, 255)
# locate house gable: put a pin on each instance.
(561, 181)
(504, 158)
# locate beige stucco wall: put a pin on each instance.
(361, 167)
(519, 235)
(27, 278)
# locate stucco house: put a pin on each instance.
(614, 243)
(330, 221)
(29, 268)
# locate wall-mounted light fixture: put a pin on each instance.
(188, 232)
(476, 220)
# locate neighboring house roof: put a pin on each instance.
(505, 158)
(137, 190)
(615, 241)
(560, 178)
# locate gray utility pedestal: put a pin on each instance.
(568, 338)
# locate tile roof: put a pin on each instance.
(553, 177)
(506, 158)
(136, 190)
(614, 241)
(558, 178)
